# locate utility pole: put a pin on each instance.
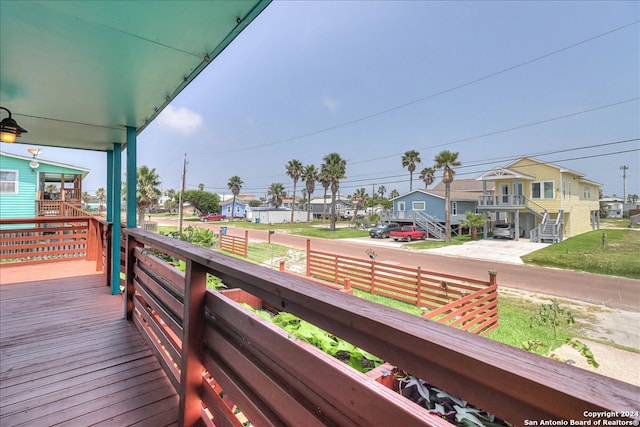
(624, 168)
(184, 175)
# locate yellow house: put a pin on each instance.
(546, 202)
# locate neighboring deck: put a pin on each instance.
(68, 357)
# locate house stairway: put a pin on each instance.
(434, 229)
(549, 229)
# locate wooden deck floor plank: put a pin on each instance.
(139, 418)
(107, 406)
(81, 384)
(42, 379)
(66, 346)
(64, 341)
(71, 405)
(80, 362)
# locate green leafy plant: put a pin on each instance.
(552, 315)
(451, 408)
(585, 351)
(353, 356)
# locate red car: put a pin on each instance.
(213, 217)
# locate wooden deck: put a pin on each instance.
(68, 357)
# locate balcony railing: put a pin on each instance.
(502, 201)
(209, 345)
(53, 239)
(58, 208)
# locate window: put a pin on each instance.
(454, 208)
(587, 192)
(542, 190)
(401, 206)
(418, 206)
(9, 182)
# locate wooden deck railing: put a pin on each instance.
(235, 244)
(58, 208)
(39, 240)
(473, 304)
(209, 345)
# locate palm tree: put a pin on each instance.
(294, 170)
(446, 160)
(360, 197)
(335, 167)
(409, 161)
(473, 221)
(201, 187)
(147, 191)
(428, 175)
(52, 189)
(394, 193)
(309, 176)
(234, 184)
(102, 196)
(277, 193)
(381, 190)
(326, 182)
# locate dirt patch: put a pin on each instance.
(593, 321)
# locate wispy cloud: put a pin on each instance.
(181, 120)
(331, 104)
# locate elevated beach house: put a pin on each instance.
(547, 201)
(25, 183)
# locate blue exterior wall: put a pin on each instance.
(241, 208)
(435, 206)
(21, 204)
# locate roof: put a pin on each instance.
(76, 74)
(513, 171)
(465, 185)
(503, 173)
(81, 171)
(456, 196)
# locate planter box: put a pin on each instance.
(243, 297)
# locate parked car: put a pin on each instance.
(506, 230)
(213, 217)
(407, 233)
(382, 230)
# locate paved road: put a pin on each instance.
(610, 291)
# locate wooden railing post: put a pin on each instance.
(493, 277)
(373, 277)
(419, 288)
(129, 287)
(308, 257)
(281, 265)
(246, 243)
(193, 327)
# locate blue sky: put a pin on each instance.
(371, 80)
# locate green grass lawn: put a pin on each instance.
(515, 326)
(431, 244)
(585, 252)
(338, 233)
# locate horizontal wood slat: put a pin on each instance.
(238, 346)
(69, 358)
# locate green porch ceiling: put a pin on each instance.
(76, 74)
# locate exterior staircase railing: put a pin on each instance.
(429, 223)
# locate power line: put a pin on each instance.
(436, 94)
(506, 130)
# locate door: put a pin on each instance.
(504, 191)
(402, 210)
(518, 193)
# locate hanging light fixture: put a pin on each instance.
(9, 128)
(34, 164)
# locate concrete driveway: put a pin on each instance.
(501, 250)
